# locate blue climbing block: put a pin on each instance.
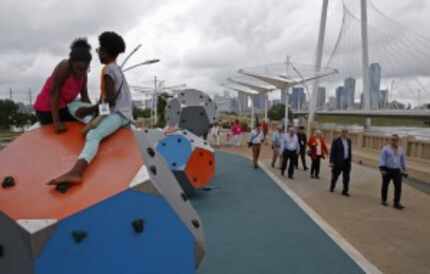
(176, 150)
(110, 244)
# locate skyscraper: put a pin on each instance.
(374, 84)
(341, 98)
(260, 101)
(383, 98)
(297, 98)
(321, 98)
(243, 102)
(349, 92)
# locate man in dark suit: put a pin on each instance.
(340, 161)
(302, 142)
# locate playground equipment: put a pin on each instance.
(193, 110)
(189, 157)
(128, 216)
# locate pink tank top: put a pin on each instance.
(70, 90)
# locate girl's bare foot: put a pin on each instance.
(74, 176)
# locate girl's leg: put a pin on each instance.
(109, 125)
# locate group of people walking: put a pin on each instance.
(293, 145)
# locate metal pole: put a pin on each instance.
(318, 62)
(155, 101)
(285, 90)
(252, 111)
(365, 55)
(10, 94)
(266, 107)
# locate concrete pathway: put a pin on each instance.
(395, 241)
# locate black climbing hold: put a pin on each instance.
(183, 121)
(174, 164)
(62, 188)
(153, 169)
(206, 143)
(138, 225)
(146, 131)
(79, 236)
(178, 112)
(163, 144)
(201, 114)
(185, 133)
(184, 196)
(195, 223)
(8, 182)
(192, 140)
(150, 151)
(182, 94)
(179, 140)
(201, 96)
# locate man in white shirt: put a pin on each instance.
(290, 148)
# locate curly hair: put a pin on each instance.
(80, 51)
(112, 43)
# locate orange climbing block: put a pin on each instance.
(200, 168)
(40, 155)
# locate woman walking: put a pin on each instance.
(317, 151)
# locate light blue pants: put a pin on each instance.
(109, 125)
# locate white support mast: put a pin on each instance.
(318, 63)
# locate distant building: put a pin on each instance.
(321, 98)
(383, 99)
(297, 98)
(283, 96)
(224, 102)
(349, 92)
(243, 99)
(374, 85)
(332, 103)
(260, 101)
(341, 98)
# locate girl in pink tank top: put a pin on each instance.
(68, 80)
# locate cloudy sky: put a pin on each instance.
(199, 42)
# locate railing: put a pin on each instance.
(417, 149)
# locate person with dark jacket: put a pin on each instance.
(340, 161)
(301, 135)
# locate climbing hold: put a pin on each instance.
(79, 236)
(8, 182)
(184, 196)
(195, 223)
(150, 151)
(153, 169)
(137, 225)
(62, 188)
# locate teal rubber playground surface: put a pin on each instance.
(253, 227)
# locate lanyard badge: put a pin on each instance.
(104, 109)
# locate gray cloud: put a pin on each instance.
(199, 43)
